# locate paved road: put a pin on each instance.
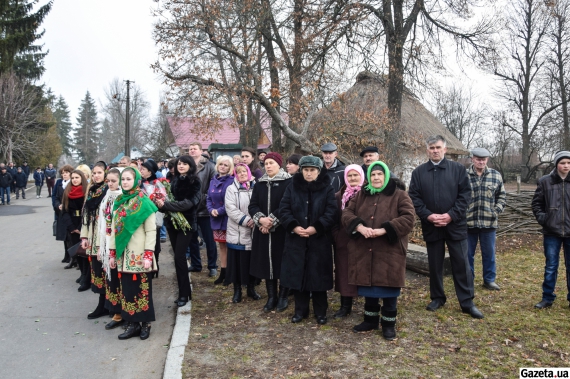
(44, 330)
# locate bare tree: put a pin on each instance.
(458, 109)
(558, 65)
(521, 73)
(159, 138)
(113, 112)
(281, 55)
(21, 116)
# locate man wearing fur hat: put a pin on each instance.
(551, 207)
(488, 198)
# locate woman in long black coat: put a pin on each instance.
(269, 235)
(308, 213)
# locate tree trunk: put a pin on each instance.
(562, 82)
(275, 95)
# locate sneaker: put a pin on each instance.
(213, 273)
(37, 197)
(163, 240)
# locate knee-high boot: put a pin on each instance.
(271, 286)
(100, 310)
(345, 307)
(237, 293)
(371, 319)
(388, 323)
(283, 301)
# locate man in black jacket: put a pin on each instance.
(51, 175)
(12, 170)
(551, 207)
(5, 181)
(335, 168)
(441, 193)
(205, 172)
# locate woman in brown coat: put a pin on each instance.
(379, 218)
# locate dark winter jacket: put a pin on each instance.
(336, 175)
(308, 262)
(187, 194)
(267, 249)
(206, 171)
(12, 171)
(50, 173)
(57, 194)
(440, 189)
(39, 178)
(215, 200)
(379, 261)
(69, 219)
(5, 179)
(26, 170)
(551, 204)
(21, 179)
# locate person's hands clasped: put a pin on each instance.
(302, 232)
(147, 263)
(264, 230)
(366, 232)
(250, 223)
(439, 220)
(84, 243)
(214, 213)
(159, 203)
(112, 263)
(266, 222)
(379, 232)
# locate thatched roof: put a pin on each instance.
(368, 98)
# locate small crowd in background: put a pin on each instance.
(303, 225)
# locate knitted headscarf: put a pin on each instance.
(369, 186)
(350, 191)
(130, 210)
(246, 183)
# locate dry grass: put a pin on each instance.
(240, 341)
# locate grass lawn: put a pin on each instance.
(240, 341)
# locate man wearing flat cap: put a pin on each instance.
(369, 155)
(335, 168)
(488, 199)
(551, 207)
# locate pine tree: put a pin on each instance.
(63, 125)
(87, 133)
(18, 32)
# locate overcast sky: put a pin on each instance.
(90, 42)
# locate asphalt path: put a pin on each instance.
(44, 330)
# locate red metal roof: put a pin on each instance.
(207, 132)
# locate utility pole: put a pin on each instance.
(127, 120)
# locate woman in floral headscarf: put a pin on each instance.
(379, 219)
(353, 180)
(131, 247)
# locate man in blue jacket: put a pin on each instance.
(441, 193)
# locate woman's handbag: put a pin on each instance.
(55, 228)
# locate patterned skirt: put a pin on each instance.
(113, 293)
(219, 235)
(137, 297)
(97, 275)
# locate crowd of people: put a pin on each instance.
(303, 225)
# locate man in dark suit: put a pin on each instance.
(441, 193)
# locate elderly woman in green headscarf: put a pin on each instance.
(379, 218)
(131, 247)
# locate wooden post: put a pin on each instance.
(518, 184)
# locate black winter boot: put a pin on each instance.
(145, 330)
(72, 263)
(80, 279)
(222, 276)
(133, 329)
(271, 286)
(283, 301)
(251, 289)
(388, 323)
(371, 319)
(85, 283)
(100, 310)
(237, 293)
(345, 307)
(66, 258)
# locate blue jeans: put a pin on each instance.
(486, 237)
(5, 190)
(552, 247)
(163, 231)
(211, 250)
